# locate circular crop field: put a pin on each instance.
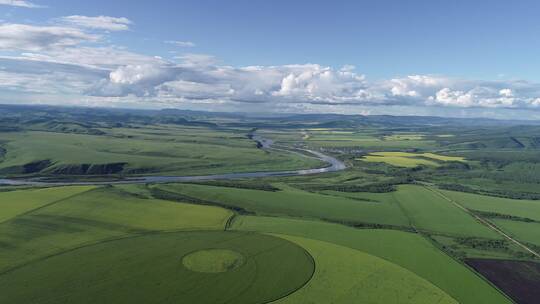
(181, 267)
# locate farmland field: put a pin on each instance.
(416, 215)
(404, 159)
(271, 268)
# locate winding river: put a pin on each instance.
(333, 165)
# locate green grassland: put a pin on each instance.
(336, 138)
(42, 238)
(526, 232)
(14, 203)
(344, 275)
(410, 208)
(518, 218)
(292, 202)
(503, 206)
(161, 150)
(385, 230)
(428, 211)
(408, 250)
(92, 216)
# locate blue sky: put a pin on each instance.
(452, 58)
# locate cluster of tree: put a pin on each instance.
(363, 225)
(374, 188)
(496, 215)
(240, 184)
(483, 243)
(182, 198)
(492, 192)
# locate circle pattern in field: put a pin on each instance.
(213, 260)
(182, 267)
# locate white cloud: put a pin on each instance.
(486, 95)
(197, 60)
(36, 38)
(313, 82)
(107, 57)
(199, 77)
(139, 80)
(506, 93)
(20, 3)
(181, 43)
(449, 97)
(112, 72)
(32, 76)
(106, 23)
(61, 60)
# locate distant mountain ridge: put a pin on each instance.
(11, 115)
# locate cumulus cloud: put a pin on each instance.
(62, 60)
(448, 97)
(181, 43)
(36, 38)
(488, 95)
(201, 78)
(139, 80)
(20, 3)
(106, 23)
(113, 72)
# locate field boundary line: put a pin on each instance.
(485, 222)
(50, 204)
(229, 222)
(102, 241)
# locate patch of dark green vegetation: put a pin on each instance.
(388, 185)
(483, 243)
(495, 215)
(373, 188)
(491, 192)
(183, 198)
(240, 184)
(361, 225)
(463, 248)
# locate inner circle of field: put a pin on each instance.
(176, 267)
(213, 260)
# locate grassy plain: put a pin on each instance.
(504, 206)
(95, 215)
(292, 202)
(403, 243)
(526, 232)
(13, 203)
(428, 211)
(408, 250)
(159, 150)
(344, 275)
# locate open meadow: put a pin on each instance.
(414, 217)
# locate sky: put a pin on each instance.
(418, 57)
